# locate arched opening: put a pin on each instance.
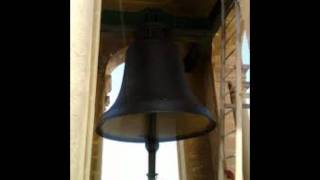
(123, 161)
(245, 52)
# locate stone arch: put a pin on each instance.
(107, 63)
(115, 60)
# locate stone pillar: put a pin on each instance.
(197, 156)
(246, 145)
(246, 140)
(245, 11)
(84, 36)
(103, 87)
(212, 104)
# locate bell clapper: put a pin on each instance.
(152, 145)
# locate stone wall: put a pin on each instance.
(200, 158)
(84, 47)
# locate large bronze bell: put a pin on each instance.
(154, 103)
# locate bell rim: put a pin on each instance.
(210, 127)
(207, 130)
(156, 106)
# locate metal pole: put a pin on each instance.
(152, 145)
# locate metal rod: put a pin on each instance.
(230, 37)
(230, 21)
(228, 73)
(229, 133)
(152, 145)
(230, 54)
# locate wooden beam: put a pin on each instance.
(132, 20)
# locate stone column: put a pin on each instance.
(245, 11)
(103, 87)
(246, 145)
(84, 44)
(196, 158)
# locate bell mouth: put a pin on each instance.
(170, 126)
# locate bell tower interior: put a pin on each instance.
(196, 30)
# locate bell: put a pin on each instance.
(154, 100)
